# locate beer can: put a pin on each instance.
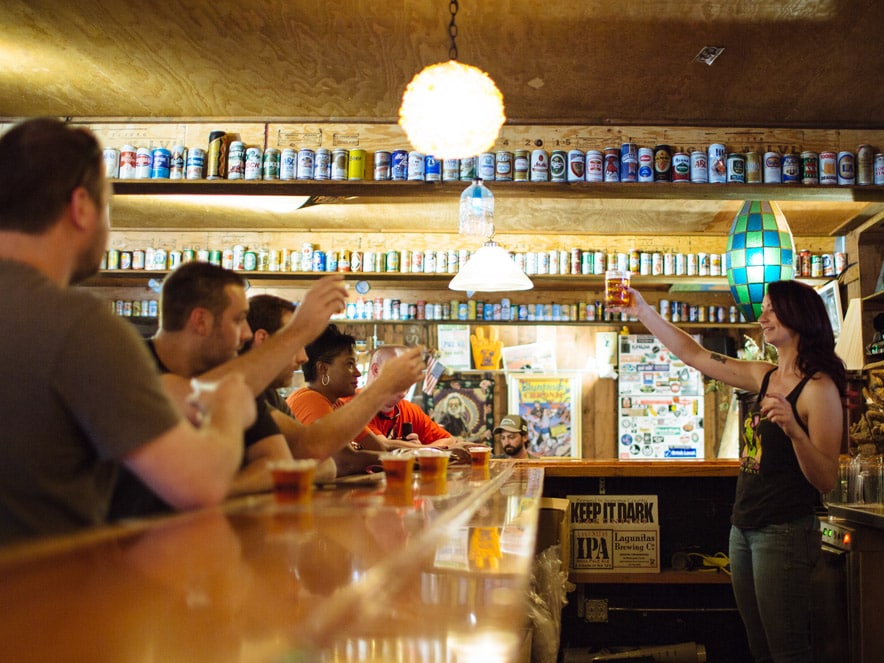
(816, 266)
(143, 161)
(656, 264)
(322, 162)
(236, 160)
(111, 158)
(405, 260)
(416, 166)
(644, 263)
(753, 167)
(828, 168)
(450, 170)
(662, 163)
(503, 166)
(681, 167)
(692, 264)
(772, 171)
(791, 168)
(804, 263)
(521, 165)
(174, 258)
(828, 260)
(356, 165)
(125, 260)
(468, 169)
(288, 164)
(646, 164)
(628, 162)
(810, 167)
(840, 259)
(668, 264)
(846, 168)
(113, 259)
(319, 261)
(344, 261)
(254, 156)
(714, 264)
(127, 162)
(865, 173)
(382, 168)
(202, 255)
(369, 261)
(612, 164)
(485, 166)
(594, 166)
(216, 155)
(340, 159)
(716, 162)
(702, 264)
(270, 164)
(664, 308)
(392, 261)
(576, 166)
(879, 168)
(699, 167)
(138, 259)
(432, 169)
(196, 163)
(736, 168)
(399, 165)
(558, 166)
(306, 257)
(177, 162)
(539, 166)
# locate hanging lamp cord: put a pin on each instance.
(452, 30)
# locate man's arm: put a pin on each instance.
(255, 477)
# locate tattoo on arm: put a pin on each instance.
(717, 357)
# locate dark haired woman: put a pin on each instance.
(790, 446)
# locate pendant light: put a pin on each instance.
(452, 110)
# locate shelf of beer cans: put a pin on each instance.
(555, 262)
(227, 158)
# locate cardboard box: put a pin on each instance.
(614, 533)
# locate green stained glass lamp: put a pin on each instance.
(760, 250)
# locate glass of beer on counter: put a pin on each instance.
(433, 468)
(617, 288)
(398, 470)
(479, 461)
(293, 480)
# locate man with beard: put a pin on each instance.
(80, 394)
(513, 431)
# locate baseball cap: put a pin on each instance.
(513, 423)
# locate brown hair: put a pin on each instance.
(193, 285)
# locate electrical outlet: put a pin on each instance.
(596, 611)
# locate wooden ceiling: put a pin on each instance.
(786, 63)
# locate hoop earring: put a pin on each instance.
(325, 380)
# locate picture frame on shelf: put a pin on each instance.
(551, 406)
(831, 296)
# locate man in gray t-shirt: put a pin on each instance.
(79, 393)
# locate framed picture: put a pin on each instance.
(832, 299)
(550, 404)
(464, 407)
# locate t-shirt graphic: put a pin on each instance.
(750, 458)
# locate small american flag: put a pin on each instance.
(435, 370)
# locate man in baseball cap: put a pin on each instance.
(513, 431)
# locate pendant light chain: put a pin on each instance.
(452, 30)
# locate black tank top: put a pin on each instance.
(771, 488)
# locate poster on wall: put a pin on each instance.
(550, 405)
(464, 407)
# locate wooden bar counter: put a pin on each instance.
(356, 575)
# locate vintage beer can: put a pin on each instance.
(382, 166)
(399, 165)
(270, 164)
(196, 163)
(432, 169)
(485, 166)
(828, 168)
(791, 168)
(138, 259)
(628, 162)
(810, 167)
(174, 258)
(753, 167)
(879, 168)
(714, 264)
(236, 160)
(656, 264)
(176, 162)
(594, 166)
(288, 164)
(736, 168)
(865, 172)
(803, 263)
(816, 266)
(772, 171)
(828, 264)
(662, 163)
(681, 167)
(702, 264)
(612, 164)
(840, 262)
(668, 264)
(503, 166)
(558, 166)
(692, 264)
(113, 259)
(699, 167)
(127, 162)
(417, 163)
(340, 163)
(356, 165)
(468, 169)
(111, 158)
(450, 170)
(143, 161)
(254, 157)
(369, 261)
(521, 165)
(576, 166)
(322, 162)
(216, 155)
(716, 162)
(646, 164)
(344, 261)
(539, 166)
(846, 168)
(392, 261)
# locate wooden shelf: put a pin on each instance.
(665, 577)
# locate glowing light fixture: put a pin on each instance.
(452, 110)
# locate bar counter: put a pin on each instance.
(359, 574)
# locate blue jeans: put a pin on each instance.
(770, 569)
